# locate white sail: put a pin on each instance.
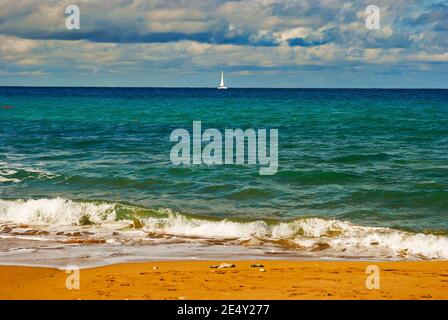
(222, 84)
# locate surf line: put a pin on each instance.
(232, 148)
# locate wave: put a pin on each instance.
(56, 211)
(6, 179)
(329, 237)
(249, 193)
(355, 158)
(18, 173)
(414, 199)
(317, 177)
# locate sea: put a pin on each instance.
(86, 176)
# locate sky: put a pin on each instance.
(258, 43)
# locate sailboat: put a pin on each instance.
(222, 86)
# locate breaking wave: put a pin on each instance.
(324, 236)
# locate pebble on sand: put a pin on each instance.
(227, 265)
(223, 265)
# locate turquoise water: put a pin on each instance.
(371, 157)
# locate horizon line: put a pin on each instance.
(230, 88)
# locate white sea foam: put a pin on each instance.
(10, 169)
(56, 211)
(177, 224)
(309, 232)
(41, 173)
(7, 172)
(331, 237)
(5, 179)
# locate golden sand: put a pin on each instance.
(196, 280)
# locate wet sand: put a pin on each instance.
(196, 280)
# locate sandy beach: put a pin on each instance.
(196, 280)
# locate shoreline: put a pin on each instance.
(278, 279)
(49, 226)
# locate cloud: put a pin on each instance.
(247, 37)
(249, 22)
(436, 14)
